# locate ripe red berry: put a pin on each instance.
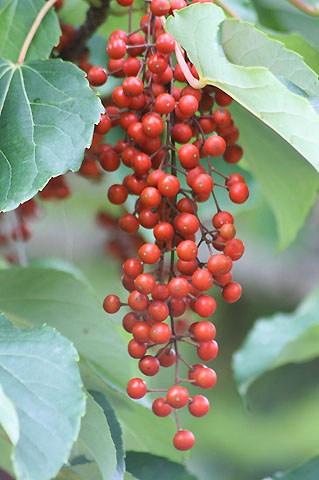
(177, 396)
(132, 267)
(219, 264)
(204, 331)
(166, 356)
(215, 146)
(188, 105)
(187, 250)
(179, 287)
(205, 306)
(164, 103)
(202, 279)
(222, 217)
(164, 232)
(116, 48)
(158, 311)
(187, 223)
(145, 283)
(207, 351)
(104, 125)
(129, 223)
(199, 406)
(136, 349)
(206, 378)
(160, 333)
(168, 185)
(188, 155)
(149, 253)
(234, 249)
(238, 193)
(184, 440)
(97, 76)
(136, 388)
(165, 43)
(141, 332)
(137, 301)
(161, 408)
(231, 292)
(149, 365)
(117, 194)
(112, 304)
(129, 320)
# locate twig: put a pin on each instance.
(33, 30)
(314, 12)
(95, 16)
(227, 9)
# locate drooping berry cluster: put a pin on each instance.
(171, 134)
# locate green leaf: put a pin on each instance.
(298, 44)
(280, 15)
(93, 455)
(16, 19)
(307, 471)
(277, 168)
(8, 415)
(115, 430)
(39, 374)
(280, 93)
(145, 466)
(276, 341)
(47, 117)
(32, 296)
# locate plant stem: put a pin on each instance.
(227, 9)
(33, 30)
(314, 12)
(95, 16)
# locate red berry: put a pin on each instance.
(145, 283)
(116, 48)
(137, 301)
(136, 388)
(219, 264)
(168, 185)
(164, 232)
(117, 194)
(215, 146)
(128, 322)
(184, 440)
(161, 408)
(149, 365)
(207, 351)
(164, 103)
(129, 223)
(112, 304)
(222, 217)
(205, 306)
(166, 356)
(132, 267)
(149, 253)
(199, 406)
(158, 311)
(132, 86)
(136, 349)
(165, 43)
(179, 287)
(234, 249)
(187, 223)
(141, 331)
(97, 76)
(204, 331)
(187, 250)
(202, 279)
(188, 105)
(231, 292)
(238, 193)
(177, 396)
(160, 333)
(188, 155)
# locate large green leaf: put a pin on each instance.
(307, 471)
(280, 15)
(93, 455)
(278, 340)
(277, 168)
(115, 430)
(47, 117)
(40, 376)
(32, 296)
(145, 466)
(16, 19)
(8, 415)
(281, 93)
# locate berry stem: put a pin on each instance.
(314, 12)
(227, 9)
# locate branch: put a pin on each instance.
(314, 12)
(95, 16)
(25, 47)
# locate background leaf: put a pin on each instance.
(278, 102)
(16, 19)
(115, 430)
(32, 296)
(145, 466)
(308, 471)
(47, 117)
(93, 455)
(8, 415)
(39, 374)
(276, 341)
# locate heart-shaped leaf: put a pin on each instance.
(47, 117)
(40, 376)
(32, 296)
(238, 58)
(16, 19)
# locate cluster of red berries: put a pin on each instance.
(171, 134)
